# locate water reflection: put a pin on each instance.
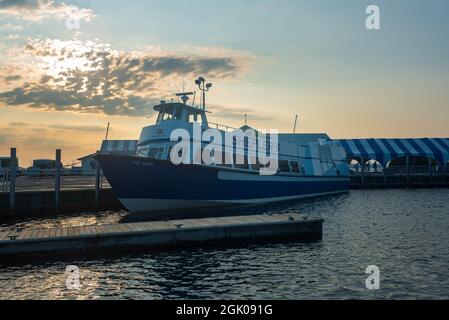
(404, 232)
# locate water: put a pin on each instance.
(404, 232)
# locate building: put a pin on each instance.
(390, 153)
(88, 165)
(42, 167)
(5, 165)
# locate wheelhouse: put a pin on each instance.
(180, 112)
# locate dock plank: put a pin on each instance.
(34, 233)
(149, 225)
(99, 230)
(27, 234)
(64, 232)
(46, 233)
(38, 233)
(53, 232)
(118, 228)
(3, 235)
(70, 231)
(82, 230)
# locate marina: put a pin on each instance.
(242, 152)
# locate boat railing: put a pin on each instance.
(221, 126)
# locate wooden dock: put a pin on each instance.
(151, 235)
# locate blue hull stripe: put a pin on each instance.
(138, 178)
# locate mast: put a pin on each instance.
(201, 82)
(107, 132)
(296, 121)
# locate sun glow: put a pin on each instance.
(62, 59)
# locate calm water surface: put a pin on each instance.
(404, 232)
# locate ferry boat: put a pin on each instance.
(308, 165)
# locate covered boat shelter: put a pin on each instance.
(433, 152)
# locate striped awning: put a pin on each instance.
(385, 150)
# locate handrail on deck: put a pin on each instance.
(218, 126)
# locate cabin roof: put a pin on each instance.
(159, 107)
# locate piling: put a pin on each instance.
(12, 182)
(97, 182)
(57, 177)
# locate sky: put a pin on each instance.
(270, 59)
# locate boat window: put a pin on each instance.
(283, 166)
(254, 163)
(143, 152)
(194, 117)
(295, 166)
(241, 166)
(156, 152)
(165, 116)
(169, 153)
(178, 114)
(168, 156)
(227, 159)
(217, 157)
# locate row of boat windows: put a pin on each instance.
(285, 166)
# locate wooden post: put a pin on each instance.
(97, 182)
(12, 182)
(363, 169)
(57, 176)
(407, 166)
(430, 170)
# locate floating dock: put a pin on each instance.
(152, 235)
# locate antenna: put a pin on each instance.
(296, 121)
(184, 96)
(107, 132)
(246, 119)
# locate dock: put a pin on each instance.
(156, 235)
(36, 196)
(399, 179)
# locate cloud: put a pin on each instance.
(91, 77)
(67, 127)
(11, 78)
(238, 113)
(11, 37)
(38, 10)
(10, 27)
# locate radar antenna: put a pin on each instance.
(184, 96)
